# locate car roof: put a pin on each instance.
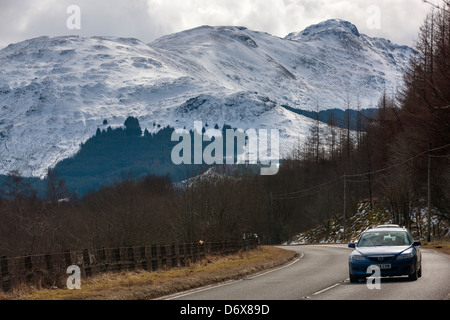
(388, 226)
(378, 229)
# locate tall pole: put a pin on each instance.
(429, 195)
(345, 208)
(271, 216)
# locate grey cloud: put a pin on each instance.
(150, 19)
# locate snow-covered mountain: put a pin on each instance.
(56, 92)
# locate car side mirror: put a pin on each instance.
(416, 243)
(352, 245)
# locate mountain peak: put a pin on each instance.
(207, 35)
(331, 26)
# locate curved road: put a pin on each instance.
(321, 272)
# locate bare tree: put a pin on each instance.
(56, 188)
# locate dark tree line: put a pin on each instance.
(424, 113)
(386, 161)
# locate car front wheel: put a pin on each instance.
(416, 274)
(354, 279)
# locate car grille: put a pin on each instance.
(380, 259)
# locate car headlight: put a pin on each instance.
(405, 256)
(357, 258)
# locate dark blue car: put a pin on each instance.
(392, 249)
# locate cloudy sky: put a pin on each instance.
(397, 20)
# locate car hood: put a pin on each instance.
(382, 250)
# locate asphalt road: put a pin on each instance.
(321, 272)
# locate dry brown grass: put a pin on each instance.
(438, 246)
(143, 285)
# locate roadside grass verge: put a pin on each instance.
(438, 246)
(144, 285)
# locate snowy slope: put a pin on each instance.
(56, 92)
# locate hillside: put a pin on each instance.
(332, 231)
(56, 92)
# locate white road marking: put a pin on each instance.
(273, 270)
(326, 289)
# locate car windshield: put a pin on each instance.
(384, 238)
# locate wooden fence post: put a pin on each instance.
(104, 265)
(194, 248)
(28, 269)
(49, 263)
(131, 262)
(143, 258)
(154, 256)
(6, 280)
(116, 257)
(189, 256)
(173, 254)
(67, 259)
(182, 254)
(163, 255)
(87, 263)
